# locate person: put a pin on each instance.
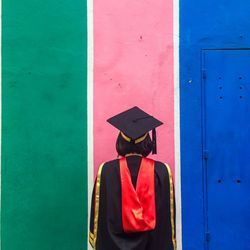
(133, 203)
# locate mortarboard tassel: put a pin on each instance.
(154, 150)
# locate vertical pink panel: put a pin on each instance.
(133, 66)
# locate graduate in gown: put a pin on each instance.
(133, 204)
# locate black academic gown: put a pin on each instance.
(106, 230)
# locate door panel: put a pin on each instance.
(226, 141)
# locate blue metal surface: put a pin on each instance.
(204, 24)
(226, 92)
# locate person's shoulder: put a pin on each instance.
(111, 163)
(163, 169)
(108, 166)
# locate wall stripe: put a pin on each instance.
(133, 65)
(44, 125)
(1, 125)
(177, 124)
(134, 60)
(90, 105)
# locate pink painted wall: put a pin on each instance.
(133, 66)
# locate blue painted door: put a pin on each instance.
(226, 145)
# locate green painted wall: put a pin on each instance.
(44, 141)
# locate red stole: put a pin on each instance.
(138, 206)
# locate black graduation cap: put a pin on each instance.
(135, 123)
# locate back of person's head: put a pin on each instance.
(124, 147)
